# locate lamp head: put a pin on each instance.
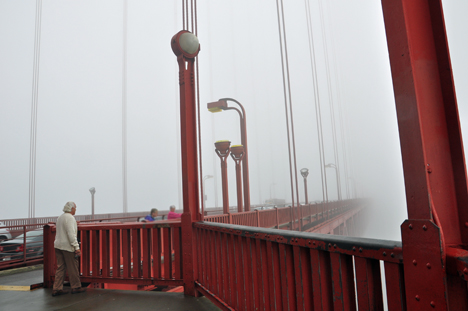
(305, 172)
(185, 43)
(222, 146)
(92, 190)
(218, 106)
(237, 152)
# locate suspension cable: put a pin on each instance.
(340, 112)
(124, 109)
(287, 96)
(34, 102)
(318, 112)
(330, 96)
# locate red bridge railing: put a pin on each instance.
(247, 268)
(125, 253)
(289, 217)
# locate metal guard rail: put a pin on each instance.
(139, 250)
(288, 217)
(243, 268)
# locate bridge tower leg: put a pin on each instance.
(432, 152)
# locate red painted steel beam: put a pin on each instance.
(430, 136)
(432, 149)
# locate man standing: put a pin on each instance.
(67, 252)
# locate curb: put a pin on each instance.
(22, 269)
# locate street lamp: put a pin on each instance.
(219, 106)
(271, 192)
(237, 154)
(93, 191)
(354, 189)
(305, 173)
(185, 46)
(204, 195)
(223, 150)
(331, 165)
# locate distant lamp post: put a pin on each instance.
(331, 165)
(219, 106)
(305, 173)
(237, 154)
(271, 191)
(204, 195)
(354, 193)
(223, 150)
(93, 191)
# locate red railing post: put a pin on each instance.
(49, 256)
(277, 218)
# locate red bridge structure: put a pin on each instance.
(245, 261)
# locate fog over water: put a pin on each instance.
(79, 110)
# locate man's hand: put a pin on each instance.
(77, 253)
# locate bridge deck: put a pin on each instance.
(94, 299)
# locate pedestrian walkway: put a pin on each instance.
(15, 296)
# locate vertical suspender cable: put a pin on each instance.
(183, 14)
(124, 109)
(318, 113)
(34, 101)
(330, 97)
(197, 82)
(287, 98)
(290, 104)
(340, 112)
(285, 102)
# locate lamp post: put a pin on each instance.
(271, 192)
(237, 154)
(204, 195)
(185, 46)
(93, 191)
(219, 106)
(223, 150)
(331, 165)
(305, 173)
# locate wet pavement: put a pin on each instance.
(14, 296)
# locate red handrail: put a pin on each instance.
(267, 269)
(125, 253)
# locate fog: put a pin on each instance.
(79, 109)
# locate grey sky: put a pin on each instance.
(79, 106)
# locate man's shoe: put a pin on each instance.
(58, 292)
(78, 290)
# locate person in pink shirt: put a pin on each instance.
(172, 214)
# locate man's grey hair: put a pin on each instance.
(68, 207)
(153, 210)
(172, 208)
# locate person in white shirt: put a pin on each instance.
(67, 252)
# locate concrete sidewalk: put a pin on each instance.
(14, 297)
